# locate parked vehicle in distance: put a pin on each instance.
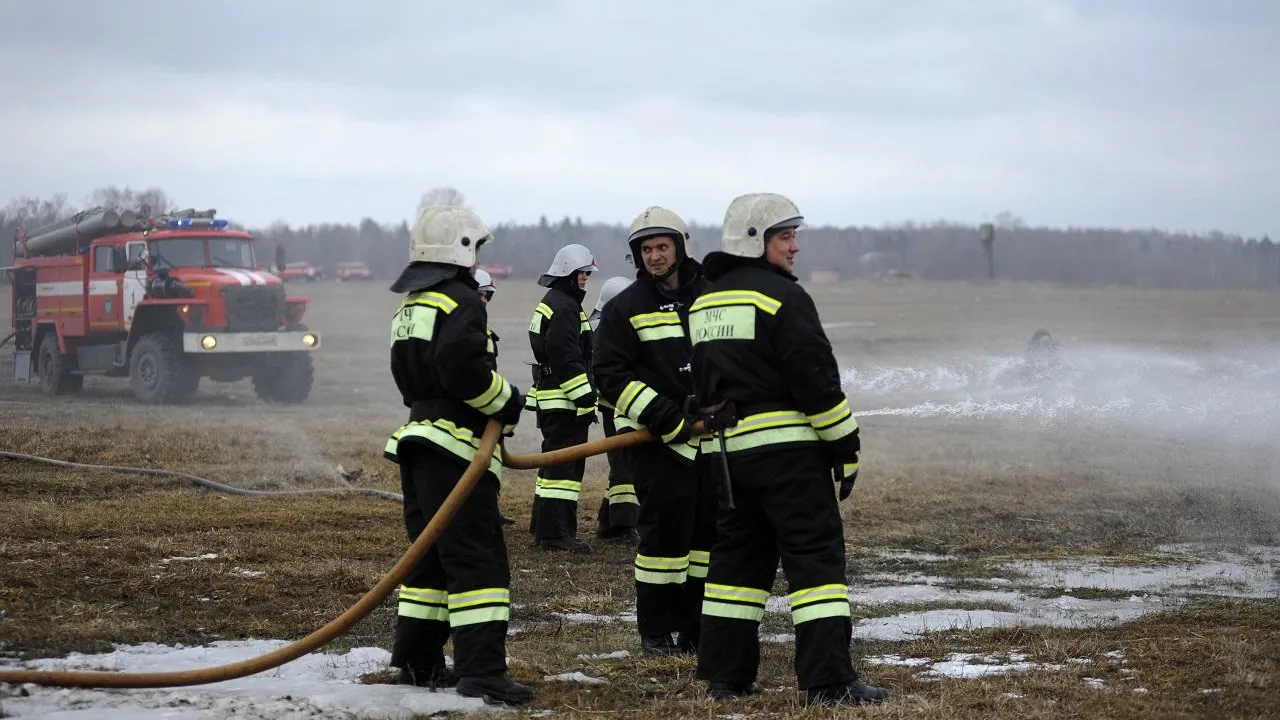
(163, 300)
(497, 270)
(354, 270)
(301, 271)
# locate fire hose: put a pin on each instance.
(341, 624)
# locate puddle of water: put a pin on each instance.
(976, 665)
(1250, 572)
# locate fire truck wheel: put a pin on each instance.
(286, 378)
(55, 378)
(158, 371)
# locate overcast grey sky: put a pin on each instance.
(1132, 113)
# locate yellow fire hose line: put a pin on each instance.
(295, 650)
(341, 624)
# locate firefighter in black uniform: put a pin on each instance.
(620, 507)
(560, 337)
(448, 379)
(764, 367)
(642, 367)
(487, 290)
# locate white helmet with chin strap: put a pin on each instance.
(568, 260)
(611, 288)
(751, 217)
(658, 221)
(442, 243)
(484, 280)
(447, 234)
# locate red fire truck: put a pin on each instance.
(163, 300)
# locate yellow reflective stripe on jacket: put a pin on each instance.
(671, 436)
(430, 298)
(542, 312)
(531, 399)
(722, 298)
(767, 428)
(848, 469)
(555, 399)
(416, 316)
(819, 602)
(634, 398)
(424, 603)
(477, 606)
(661, 570)
(584, 326)
(835, 423)
(728, 315)
(734, 602)
(657, 325)
(576, 387)
(622, 422)
(447, 436)
(495, 397)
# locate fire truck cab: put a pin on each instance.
(162, 300)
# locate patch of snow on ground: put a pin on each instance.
(615, 655)
(575, 677)
(315, 685)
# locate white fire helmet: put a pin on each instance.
(611, 288)
(447, 234)
(752, 215)
(484, 280)
(568, 260)
(655, 221)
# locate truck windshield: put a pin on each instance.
(231, 252)
(190, 252)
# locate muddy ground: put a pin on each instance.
(1100, 543)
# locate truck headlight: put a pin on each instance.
(208, 342)
(309, 339)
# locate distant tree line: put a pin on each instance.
(939, 250)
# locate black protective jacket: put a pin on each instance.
(758, 341)
(444, 366)
(561, 340)
(643, 356)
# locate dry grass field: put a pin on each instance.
(1101, 545)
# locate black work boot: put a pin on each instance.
(687, 643)
(494, 689)
(658, 645)
(722, 690)
(434, 678)
(855, 693)
(573, 545)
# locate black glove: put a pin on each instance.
(509, 415)
(845, 475)
(587, 419)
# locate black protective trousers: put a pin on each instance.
(785, 508)
(555, 499)
(620, 506)
(677, 528)
(461, 586)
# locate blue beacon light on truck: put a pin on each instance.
(187, 222)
